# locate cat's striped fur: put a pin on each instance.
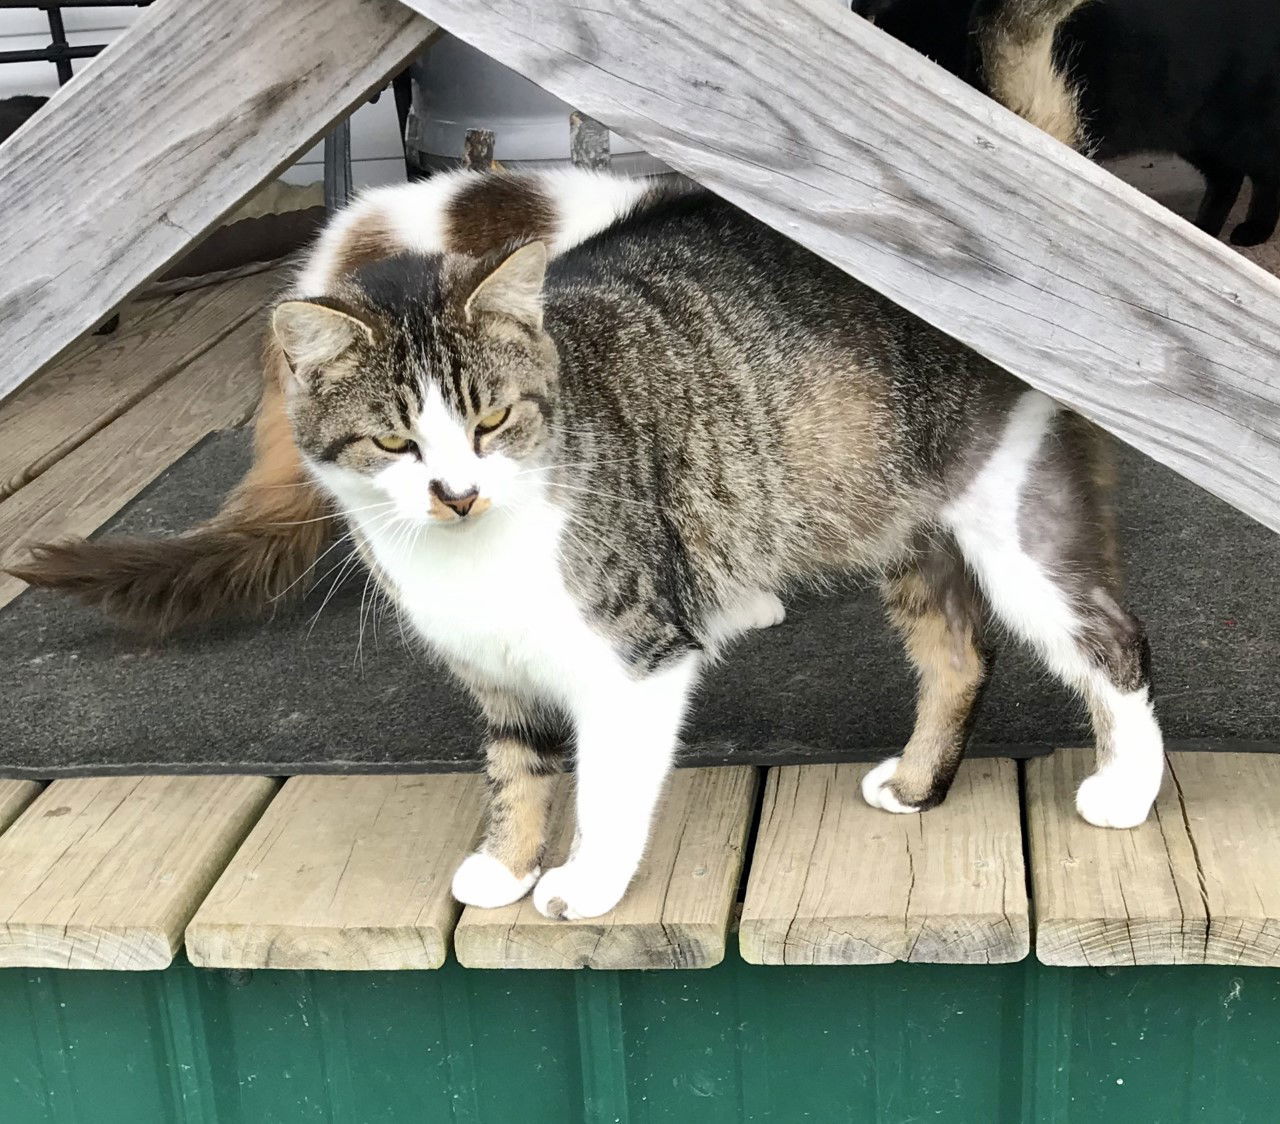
(579, 479)
(688, 414)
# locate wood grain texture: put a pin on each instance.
(835, 881)
(106, 873)
(344, 873)
(14, 796)
(676, 913)
(818, 123)
(187, 112)
(1198, 883)
(80, 492)
(102, 376)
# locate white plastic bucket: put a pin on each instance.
(457, 88)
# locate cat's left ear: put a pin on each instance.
(514, 289)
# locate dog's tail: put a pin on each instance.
(1022, 66)
(242, 562)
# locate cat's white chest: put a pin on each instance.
(492, 596)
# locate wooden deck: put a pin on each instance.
(353, 872)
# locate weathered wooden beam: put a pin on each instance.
(183, 116)
(816, 122)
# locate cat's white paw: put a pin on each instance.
(1116, 799)
(763, 610)
(876, 790)
(574, 891)
(755, 610)
(482, 880)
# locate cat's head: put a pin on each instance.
(425, 384)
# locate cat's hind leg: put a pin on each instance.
(1034, 524)
(522, 758)
(940, 614)
(1264, 213)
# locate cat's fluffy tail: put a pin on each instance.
(242, 562)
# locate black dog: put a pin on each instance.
(1199, 78)
(15, 111)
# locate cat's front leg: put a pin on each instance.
(522, 758)
(626, 737)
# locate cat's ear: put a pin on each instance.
(514, 289)
(313, 335)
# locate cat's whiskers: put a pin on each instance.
(322, 518)
(302, 576)
(576, 523)
(573, 464)
(279, 487)
(358, 659)
(648, 504)
(345, 567)
(403, 539)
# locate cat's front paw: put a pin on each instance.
(763, 610)
(877, 789)
(574, 891)
(1115, 799)
(482, 880)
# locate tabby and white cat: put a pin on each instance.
(579, 478)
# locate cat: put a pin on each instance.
(1115, 77)
(582, 476)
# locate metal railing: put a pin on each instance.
(60, 52)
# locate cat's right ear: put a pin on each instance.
(514, 289)
(313, 335)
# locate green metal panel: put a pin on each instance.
(891, 1043)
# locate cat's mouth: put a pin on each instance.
(453, 516)
(456, 507)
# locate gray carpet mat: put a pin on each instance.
(296, 694)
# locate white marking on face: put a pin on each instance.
(446, 454)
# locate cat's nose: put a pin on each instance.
(460, 503)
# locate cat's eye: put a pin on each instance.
(493, 420)
(390, 443)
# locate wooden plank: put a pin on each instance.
(835, 881)
(676, 913)
(103, 376)
(1198, 883)
(187, 113)
(949, 204)
(14, 796)
(106, 872)
(84, 489)
(344, 873)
